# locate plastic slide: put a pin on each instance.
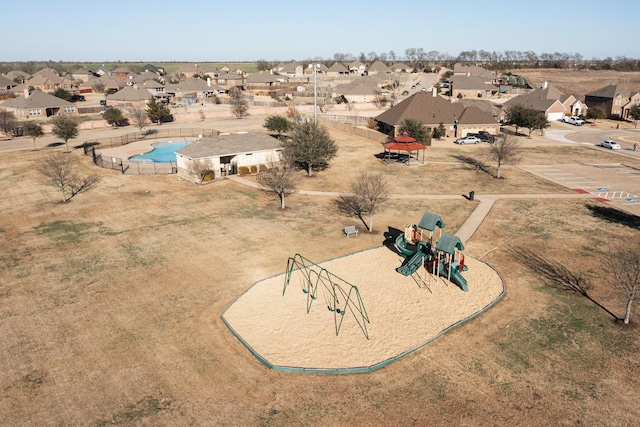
(401, 244)
(457, 279)
(414, 263)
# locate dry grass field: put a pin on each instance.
(110, 304)
(582, 81)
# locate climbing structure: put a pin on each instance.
(425, 244)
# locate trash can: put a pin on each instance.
(471, 195)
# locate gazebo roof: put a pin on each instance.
(404, 146)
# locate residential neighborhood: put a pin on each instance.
(434, 96)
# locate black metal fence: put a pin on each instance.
(92, 148)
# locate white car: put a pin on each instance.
(573, 120)
(467, 140)
(610, 143)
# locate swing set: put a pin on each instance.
(339, 295)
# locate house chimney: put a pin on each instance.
(209, 81)
(434, 91)
(26, 92)
(545, 84)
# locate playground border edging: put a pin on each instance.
(362, 369)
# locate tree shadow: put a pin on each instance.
(557, 275)
(474, 163)
(615, 216)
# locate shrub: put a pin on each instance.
(208, 176)
(243, 170)
(254, 169)
(263, 168)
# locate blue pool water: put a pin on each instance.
(163, 152)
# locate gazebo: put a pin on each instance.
(404, 143)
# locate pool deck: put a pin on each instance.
(131, 149)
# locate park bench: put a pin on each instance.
(352, 229)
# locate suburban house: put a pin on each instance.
(466, 70)
(38, 104)
(364, 89)
(263, 83)
(152, 69)
(611, 99)
(51, 83)
(337, 70)
(6, 84)
(547, 100)
(399, 67)
(471, 86)
(103, 71)
(379, 67)
(431, 109)
(18, 76)
(228, 81)
(634, 100)
(192, 90)
(105, 83)
(122, 73)
(357, 68)
(129, 96)
(291, 69)
(227, 154)
(82, 74)
(232, 68)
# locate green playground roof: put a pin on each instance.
(448, 243)
(429, 222)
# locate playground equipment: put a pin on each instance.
(437, 252)
(339, 295)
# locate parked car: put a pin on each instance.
(485, 136)
(103, 102)
(469, 139)
(573, 120)
(405, 93)
(610, 143)
(75, 98)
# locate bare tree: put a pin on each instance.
(239, 105)
(505, 150)
(624, 266)
(368, 194)
(201, 168)
(58, 170)
(140, 117)
(280, 178)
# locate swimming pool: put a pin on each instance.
(163, 152)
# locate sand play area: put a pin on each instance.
(404, 313)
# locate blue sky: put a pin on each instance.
(226, 31)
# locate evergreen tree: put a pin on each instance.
(156, 111)
(310, 146)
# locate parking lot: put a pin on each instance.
(616, 183)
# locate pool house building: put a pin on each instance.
(215, 157)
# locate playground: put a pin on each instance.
(360, 312)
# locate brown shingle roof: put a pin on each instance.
(228, 145)
(36, 99)
(425, 107)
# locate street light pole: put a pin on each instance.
(315, 92)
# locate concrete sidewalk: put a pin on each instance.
(467, 230)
